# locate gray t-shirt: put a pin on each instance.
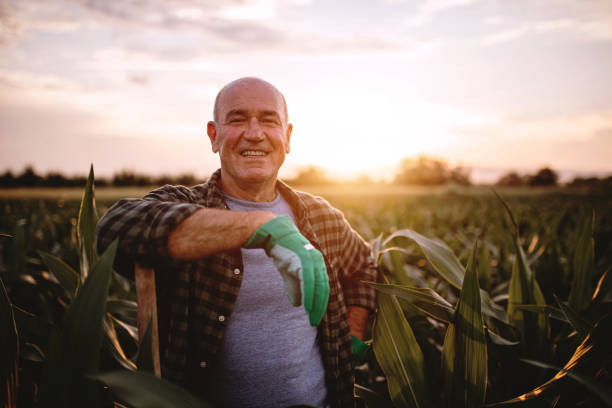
(270, 354)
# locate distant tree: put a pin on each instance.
(310, 175)
(55, 179)
(363, 180)
(130, 178)
(512, 179)
(186, 180)
(544, 177)
(461, 175)
(29, 178)
(7, 179)
(592, 184)
(429, 171)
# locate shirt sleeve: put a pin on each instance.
(143, 226)
(357, 264)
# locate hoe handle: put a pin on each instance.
(147, 309)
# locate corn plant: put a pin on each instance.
(68, 352)
(473, 325)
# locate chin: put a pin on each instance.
(258, 175)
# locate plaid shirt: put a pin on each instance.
(201, 294)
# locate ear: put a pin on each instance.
(288, 138)
(211, 129)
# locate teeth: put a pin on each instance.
(253, 153)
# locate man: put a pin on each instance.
(234, 257)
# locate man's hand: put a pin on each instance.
(300, 264)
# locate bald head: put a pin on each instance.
(245, 85)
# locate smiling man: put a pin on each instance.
(259, 286)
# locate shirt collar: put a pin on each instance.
(213, 198)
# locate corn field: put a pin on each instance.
(484, 300)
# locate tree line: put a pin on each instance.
(29, 178)
(420, 171)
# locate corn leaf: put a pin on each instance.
(86, 227)
(437, 253)
(425, 299)
(370, 398)
(602, 391)
(141, 389)
(448, 266)
(74, 350)
(111, 343)
(464, 353)
(399, 355)
(582, 267)
(589, 358)
(82, 324)
(499, 340)
(127, 309)
(484, 268)
(524, 289)
(550, 311)
(67, 277)
(582, 326)
(9, 351)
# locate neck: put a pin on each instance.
(257, 192)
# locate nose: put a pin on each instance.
(253, 131)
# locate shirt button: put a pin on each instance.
(236, 271)
(202, 364)
(221, 318)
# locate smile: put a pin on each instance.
(250, 153)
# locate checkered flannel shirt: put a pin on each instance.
(201, 294)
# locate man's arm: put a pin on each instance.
(208, 231)
(358, 318)
(358, 265)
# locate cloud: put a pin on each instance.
(504, 36)
(429, 8)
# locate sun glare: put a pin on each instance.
(348, 134)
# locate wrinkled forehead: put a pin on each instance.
(251, 96)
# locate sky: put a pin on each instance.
(491, 85)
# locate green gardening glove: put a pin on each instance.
(300, 264)
(360, 349)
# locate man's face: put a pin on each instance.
(251, 133)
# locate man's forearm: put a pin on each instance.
(358, 318)
(208, 231)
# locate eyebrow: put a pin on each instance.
(243, 112)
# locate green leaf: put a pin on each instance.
(437, 253)
(588, 361)
(524, 289)
(448, 266)
(465, 348)
(425, 299)
(88, 218)
(82, 324)
(582, 267)
(499, 340)
(582, 326)
(74, 350)
(67, 277)
(112, 344)
(399, 355)
(484, 268)
(370, 398)
(141, 389)
(127, 309)
(550, 311)
(602, 391)
(9, 351)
